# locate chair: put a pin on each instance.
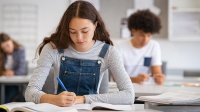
(26, 68)
(164, 67)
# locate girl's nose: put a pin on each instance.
(79, 37)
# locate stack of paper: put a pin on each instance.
(182, 98)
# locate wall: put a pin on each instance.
(181, 55)
(49, 14)
(112, 11)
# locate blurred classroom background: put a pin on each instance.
(29, 21)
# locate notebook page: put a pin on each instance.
(46, 107)
(111, 106)
(82, 106)
(12, 105)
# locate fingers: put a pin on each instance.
(70, 96)
(66, 93)
(67, 98)
(159, 79)
(139, 79)
(144, 77)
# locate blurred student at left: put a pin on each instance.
(12, 62)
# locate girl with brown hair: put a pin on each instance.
(80, 51)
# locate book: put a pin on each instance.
(174, 98)
(46, 107)
(32, 107)
(103, 106)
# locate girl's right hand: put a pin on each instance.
(65, 99)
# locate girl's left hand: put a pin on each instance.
(80, 99)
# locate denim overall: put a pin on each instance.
(80, 76)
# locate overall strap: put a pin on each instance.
(104, 50)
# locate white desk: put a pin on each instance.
(172, 108)
(171, 84)
(142, 110)
(15, 80)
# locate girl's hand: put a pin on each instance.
(80, 99)
(63, 99)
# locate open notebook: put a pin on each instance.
(45, 107)
(103, 106)
(32, 107)
(176, 98)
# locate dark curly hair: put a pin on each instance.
(144, 20)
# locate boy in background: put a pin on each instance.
(141, 54)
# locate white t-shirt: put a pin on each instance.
(139, 60)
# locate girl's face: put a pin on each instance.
(141, 37)
(81, 33)
(8, 46)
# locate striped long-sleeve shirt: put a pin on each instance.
(112, 61)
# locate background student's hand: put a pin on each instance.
(159, 78)
(8, 73)
(140, 78)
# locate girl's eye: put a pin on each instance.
(84, 31)
(72, 32)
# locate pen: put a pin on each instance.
(61, 84)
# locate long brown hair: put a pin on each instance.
(81, 9)
(3, 38)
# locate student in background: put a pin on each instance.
(141, 54)
(80, 51)
(12, 56)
